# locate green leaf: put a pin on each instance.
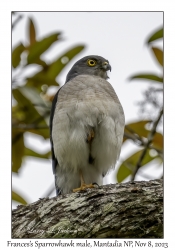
(158, 141)
(16, 54)
(56, 67)
(136, 128)
(139, 129)
(17, 150)
(139, 125)
(39, 79)
(127, 167)
(147, 77)
(29, 152)
(18, 198)
(158, 54)
(41, 63)
(32, 32)
(30, 114)
(33, 95)
(156, 35)
(39, 47)
(49, 73)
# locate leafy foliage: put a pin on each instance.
(158, 55)
(148, 76)
(31, 108)
(137, 131)
(127, 167)
(158, 34)
(16, 55)
(18, 198)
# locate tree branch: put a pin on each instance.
(150, 138)
(127, 210)
(140, 142)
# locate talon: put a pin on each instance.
(83, 185)
(95, 184)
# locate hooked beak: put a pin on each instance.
(106, 66)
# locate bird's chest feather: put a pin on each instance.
(80, 110)
(89, 102)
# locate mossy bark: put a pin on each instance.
(127, 210)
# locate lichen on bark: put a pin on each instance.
(127, 210)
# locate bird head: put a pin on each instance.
(90, 65)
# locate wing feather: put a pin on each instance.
(52, 112)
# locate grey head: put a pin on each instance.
(90, 65)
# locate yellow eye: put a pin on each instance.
(91, 62)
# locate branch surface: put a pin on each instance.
(127, 210)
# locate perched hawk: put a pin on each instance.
(86, 126)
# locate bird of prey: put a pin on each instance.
(86, 126)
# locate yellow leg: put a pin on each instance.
(83, 185)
